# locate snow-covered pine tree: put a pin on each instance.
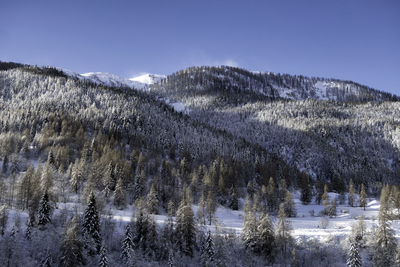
(151, 238)
(103, 262)
(289, 206)
(354, 258)
(185, 230)
(208, 252)
(141, 226)
(201, 211)
(283, 228)
(306, 194)
(44, 210)
(71, 247)
(127, 245)
(28, 231)
(140, 184)
(385, 244)
(250, 233)
(91, 226)
(211, 206)
(265, 236)
(233, 200)
(109, 180)
(119, 195)
(152, 200)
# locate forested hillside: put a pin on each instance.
(334, 130)
(63, 139)
(113, 176)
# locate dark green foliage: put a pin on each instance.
(91, 225)
(72, 247)
(127, 245)
(44, 210)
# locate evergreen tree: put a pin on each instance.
(265, 237)
(103, 257)
(141, 226)
(109, 179)
(332, 208)
(91, 226)
(44, 210)
(152, 200)
(306, 194)
(385, 245)
(233, 201)
(211, 206)
(71, 247)
(152, 239)
(354, 258)
(250, 231)
(283, 228)
(352, 194)
(201, 211)
(185, 229)
(207, 253)
(119, 195)
(29, 226)
(127, 245)
(140, 184)
(363, 197)
(271, 195)
(289, 206)
(358, 231)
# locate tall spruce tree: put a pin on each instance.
(127, 245)
(44, 210)
(385, 244)
(250, 231)
(208, 252)
(152, 200)
(91, 226)
(72, 247)
(283, 228)
(185, 230)
(354, 258)
(265, 236)
(103, 262)
(289, 206)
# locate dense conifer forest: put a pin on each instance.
(77, 156)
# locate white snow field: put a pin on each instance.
(308, 223)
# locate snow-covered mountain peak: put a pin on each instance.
(148, 78)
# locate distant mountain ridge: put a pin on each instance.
(271, 85)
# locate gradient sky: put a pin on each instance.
(345, 39)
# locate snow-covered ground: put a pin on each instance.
(308, 223)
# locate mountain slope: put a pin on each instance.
(269, 85)
(355, 137)
(34, 101)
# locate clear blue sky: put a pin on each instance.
(346, 39)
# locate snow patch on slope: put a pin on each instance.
(148, 78)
